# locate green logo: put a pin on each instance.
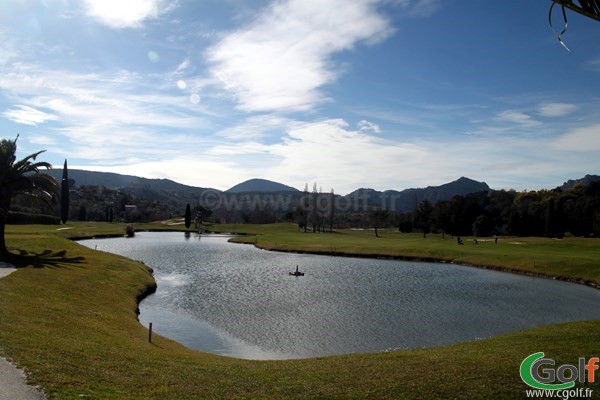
(536, 371)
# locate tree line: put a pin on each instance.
(550, 213)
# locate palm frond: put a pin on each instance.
(26, 165)
(24, 176)
(589, 8)
(8, 149)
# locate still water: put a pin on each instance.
(240, 301)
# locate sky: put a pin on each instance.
(382, 94)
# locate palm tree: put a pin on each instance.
(21, 177)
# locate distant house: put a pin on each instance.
(130, 208)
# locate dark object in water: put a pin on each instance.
(297, 273)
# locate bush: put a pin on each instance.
(129, 231)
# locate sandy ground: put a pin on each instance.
(12, 379)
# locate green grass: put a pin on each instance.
(68, 316)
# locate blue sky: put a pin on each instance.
(384, 94)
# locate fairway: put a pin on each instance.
(68, 316)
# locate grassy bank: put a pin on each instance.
(68, 316)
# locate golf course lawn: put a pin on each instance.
(68, 316)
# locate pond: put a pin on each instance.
(240, 301)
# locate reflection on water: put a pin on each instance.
(240, 301)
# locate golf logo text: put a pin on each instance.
(540, 373)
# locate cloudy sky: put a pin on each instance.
(387, 94)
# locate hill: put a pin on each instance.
(586, 180)
(261, 186)
(93, 193)
(117, 181)
(406, 200)
(175, 196)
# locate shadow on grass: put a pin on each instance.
(44, 259)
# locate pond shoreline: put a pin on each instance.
(315, 274)
(151, 289)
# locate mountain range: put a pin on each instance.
(176, 195)
(407, 200)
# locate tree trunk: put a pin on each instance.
(3, 217)
(4, 207)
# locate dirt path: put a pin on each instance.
(6, 269)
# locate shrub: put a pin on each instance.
(129, 231)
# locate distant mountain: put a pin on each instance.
(118, 181)
(586, 180)
(260, 185)
(176, 195)
(406, 200)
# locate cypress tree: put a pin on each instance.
(64, 195)
(331, 210)
(188, 216)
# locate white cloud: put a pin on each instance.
(420, 8)
(100, 114)
(517, 117)
(258, 126)
(367, 126)
(593, 65)
(335, 156)
(120, 14)
(183, 66)
(585, 139)
(282, 59)
(26, 115)
(556, 109)
(193, 171)
(43, 140)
